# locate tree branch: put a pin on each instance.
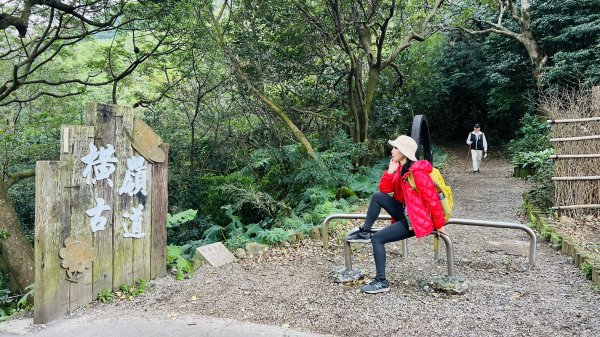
(14, 178)
(416, 36)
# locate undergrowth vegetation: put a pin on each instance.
(532, 148)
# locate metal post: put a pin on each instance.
(347, 256)
(449, 253)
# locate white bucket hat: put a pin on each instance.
(406, 145)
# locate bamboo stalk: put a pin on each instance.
(577, 178)
(577, 206)
(564, 156)
(574, 138)
(572, 120)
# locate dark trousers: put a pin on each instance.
(396, 232)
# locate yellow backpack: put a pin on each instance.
(443, 190)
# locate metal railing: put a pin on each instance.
(447, 240)
(498, 224)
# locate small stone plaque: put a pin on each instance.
(215, 254)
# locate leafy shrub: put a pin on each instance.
(105, 295)
(533, 159)
(542, 191)
(205, 194)
(175, 260)
(532, 136)
(273, 236)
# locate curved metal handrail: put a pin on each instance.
(325, 229)
(498, 224)
(446, 238)
(455, 221)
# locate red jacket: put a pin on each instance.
(423, 207)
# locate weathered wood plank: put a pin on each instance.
(573, 120)
(141, 246)
(77, 139)
(568, 139)
(576, 178)
(52, 216)
(158, 259)
(104, 123)
(123, 247)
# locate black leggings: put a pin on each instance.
(396, 232)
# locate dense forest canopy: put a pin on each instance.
(275, 110)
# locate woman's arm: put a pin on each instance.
(386, 183)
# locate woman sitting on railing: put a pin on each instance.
(421, 205)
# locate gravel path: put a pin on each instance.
(290, 286)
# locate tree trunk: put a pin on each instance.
(16, 250)
(193, 148)
(538, 60)
(298, 134)
(369, 95)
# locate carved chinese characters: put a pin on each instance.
(100, 164)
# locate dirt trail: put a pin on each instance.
(291, 287)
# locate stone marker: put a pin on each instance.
(215, 254)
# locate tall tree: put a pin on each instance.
(222, 19)
(513, 20)
(371, 34)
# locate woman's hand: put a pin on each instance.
(393, 166)
(442, 230)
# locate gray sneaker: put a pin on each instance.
(376, 286)
(359, 236)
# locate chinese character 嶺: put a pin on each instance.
(135, 177)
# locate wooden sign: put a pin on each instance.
(107, 203)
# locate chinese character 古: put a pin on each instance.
(98, 222)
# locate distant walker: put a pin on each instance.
(478, 143)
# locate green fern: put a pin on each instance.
(180, 218)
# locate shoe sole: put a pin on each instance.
(360, 240)
(382, 290)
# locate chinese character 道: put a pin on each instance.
(136, 223)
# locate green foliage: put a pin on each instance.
(586, 270)
(532, 136)
(178, 263)
(125, 292)
(273, 236)
(12, 304)
(180, 218)
(532, 159)
(569, 32)
(105, 295)
(542, 191)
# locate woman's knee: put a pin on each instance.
(377, 239)
(379, 195)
